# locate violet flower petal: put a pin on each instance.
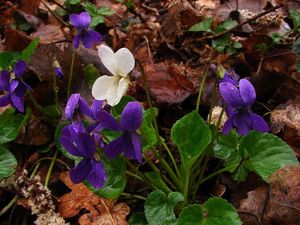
(86, 145)
(97, 176)
(81, 21)
(114, 148)
(80, 172)
(228, 126)
(107, 120)
(71, 105)
(5, 100)
(4, 80)
(76, 40)
(231, 95)
(96, 106)
(137, 147)
(247, 92)
(20, 68)
(258, 123)
(132, 116)
(242, 122)
(84, 107)
(17, 93)
(89, 38)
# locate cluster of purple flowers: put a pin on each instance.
(87, 36)
(15, 88)
(88, 142)
(239, 96)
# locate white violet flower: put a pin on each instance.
(112, 88)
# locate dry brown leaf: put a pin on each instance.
(48, 34)
(101, 211)
(282, 206)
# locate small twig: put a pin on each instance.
(61, 6)
(241, 24)
(53, 14)
(107, 210)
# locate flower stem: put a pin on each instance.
(71, 73)
(50, 169)
(172, 158)
(214, 174)
(37, 105)
(212, 104)
(10, 204)
(127, 195)
(201, 87)
(55, 89)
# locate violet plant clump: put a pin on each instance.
(15, 87)
(87, 36)
(239, 97)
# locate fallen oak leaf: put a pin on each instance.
(101, 211)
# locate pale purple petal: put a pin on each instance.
(97, 177)
(231, 95)
(107, 121)
(5, 100)
(228, 126)
(114, 148)
(228, 78)
(4, 80)
(80, 172)
(242, 122)
(258, 123)
(132, 116)
(59, 73)
(247, 92)
(81, 21)
(19, 68)
(76, 40)
(89, 38)
(71, 105)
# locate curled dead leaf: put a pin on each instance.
(101, 211)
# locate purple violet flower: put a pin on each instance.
(57, 70)
(87, 36)
(97, 105)
(16, 87)
(239, 100)
(76, 101)
(129, 142)
(78, 142)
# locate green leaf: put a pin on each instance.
(215, 211)
(191, 134)
(159, 207)
(219, 211)
(90, 74)
(157, 181)
(226, 25)
(203, 26)
(74, 2)
(295, 15)
(266, 153)
(8, 163)
(276, 37)
(116, 180)
(298, 65)
(236, 45)
(96, 20)
(221, 43)
(147, 131)
(191, 215)
(7, 59)
(52, 110)
(105, 11)
(10, 124)
(296, 47)
(138, 219)
(226, 148)
(29, 50)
